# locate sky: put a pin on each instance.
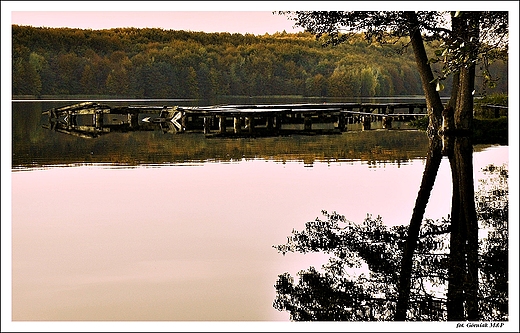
(253, 17)
(250, 22)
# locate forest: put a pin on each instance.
(157, 63)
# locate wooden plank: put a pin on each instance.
(89, 111)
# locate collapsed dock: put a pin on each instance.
(90, 119)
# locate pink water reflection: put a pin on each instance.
(191, 242)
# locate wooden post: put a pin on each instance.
(366, 122)
(184, 121)
(237, 124)
(250, 124)
(132, 119)
(98, 119)
(222, 124)
(307, 123)
(270, 122)
(278, 122)
(206, 125)
(387, 122)
(341, 122)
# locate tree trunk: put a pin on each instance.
(435, 107)
(457, 28)
(433, 161)
(433, 99)
(467, 29)
(457, 260)
(464, 244)
(463, 270)
(464, 153)
(464, 106)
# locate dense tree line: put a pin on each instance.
(156, 63)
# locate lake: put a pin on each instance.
(152, 226)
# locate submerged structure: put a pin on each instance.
(90, 119)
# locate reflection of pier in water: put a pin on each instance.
(90, 119)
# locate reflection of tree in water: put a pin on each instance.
(492, 212)
(405, 290)
(337, 293)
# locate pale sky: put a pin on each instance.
(207, 16)
(252, 22)
(254, 17)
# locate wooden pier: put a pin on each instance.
(230, 120)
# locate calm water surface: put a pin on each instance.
(191, 240)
